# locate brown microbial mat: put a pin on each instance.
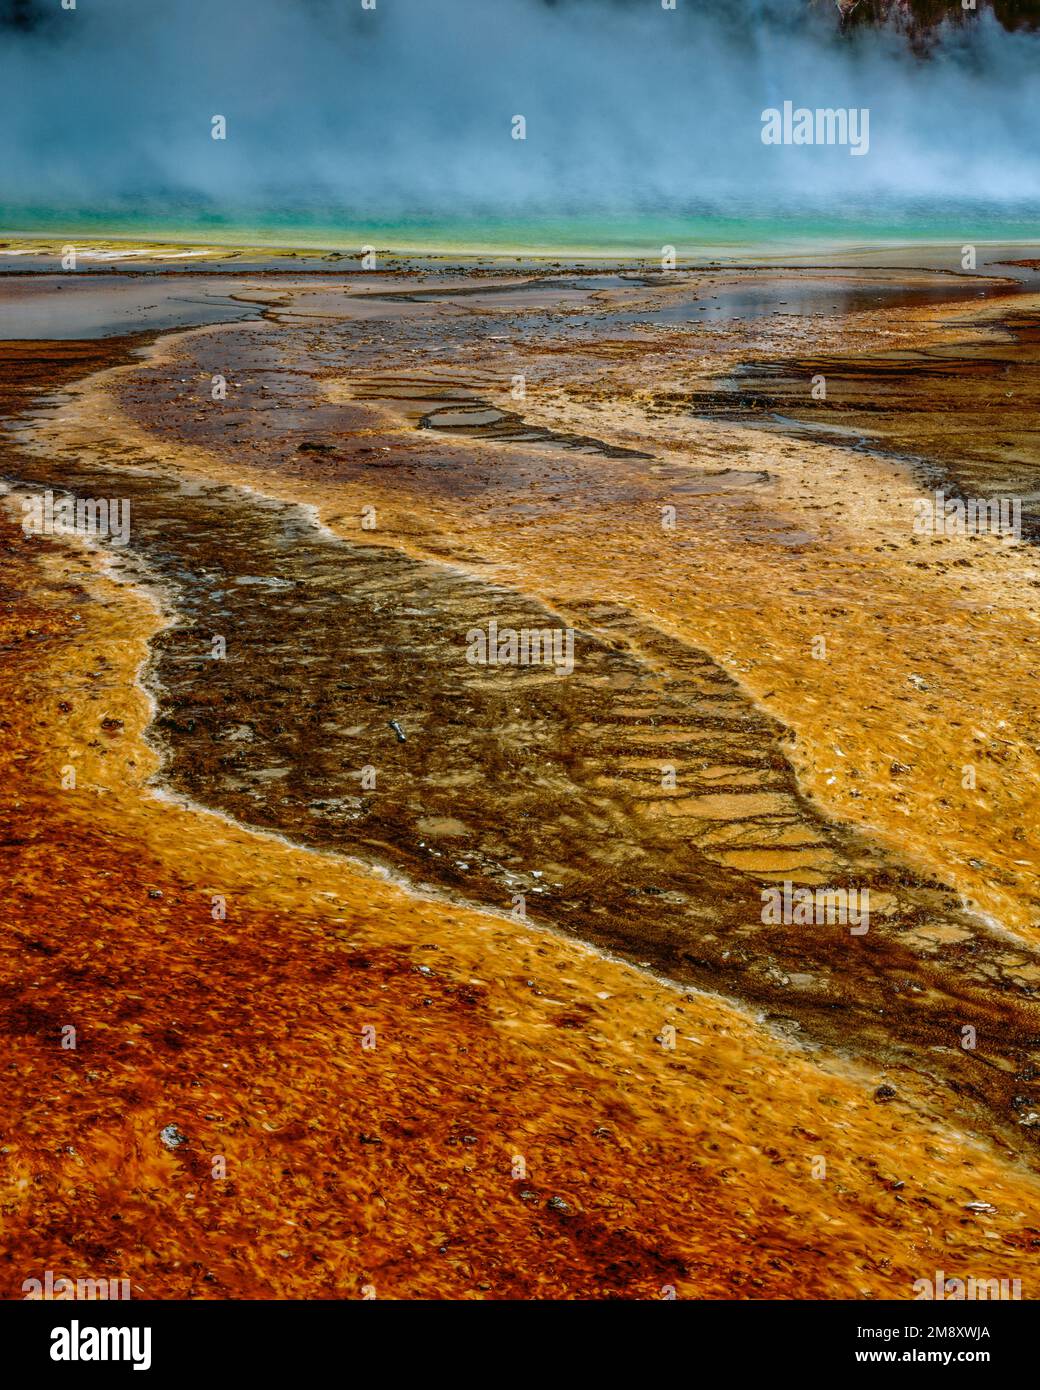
(435, 943)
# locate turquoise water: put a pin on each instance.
(697, 232)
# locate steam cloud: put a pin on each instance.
(406, 110)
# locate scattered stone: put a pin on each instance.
(558, 1204)
(884, 1093)
(172, 1137)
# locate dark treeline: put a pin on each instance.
(923, 15)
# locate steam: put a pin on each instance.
(407, 110)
